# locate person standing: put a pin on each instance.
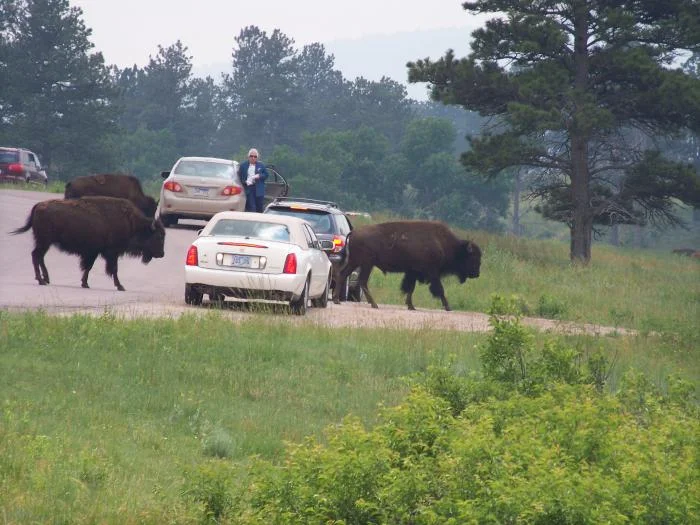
(253, 175)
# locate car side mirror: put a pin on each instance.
(326, 246)
(165, 174)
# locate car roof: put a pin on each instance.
(258, 217)
(209, 159)
(303, 203)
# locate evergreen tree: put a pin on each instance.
(564, 83)
(56, 95)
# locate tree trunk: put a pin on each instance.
(579, 131)
(516, 205)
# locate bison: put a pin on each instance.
(89, 227)
(422, 250)
(112, 185)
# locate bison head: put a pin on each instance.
(149, 243)
(468, 260)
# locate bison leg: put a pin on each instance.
(39, 266)
(438, 291)
(111, 269)
(363, 278)
(86, 263)
(408, 284)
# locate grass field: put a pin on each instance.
(106, 420)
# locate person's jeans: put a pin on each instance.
(252, 201)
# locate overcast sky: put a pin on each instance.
(128, 31)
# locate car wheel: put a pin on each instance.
(217, 299)
(322, 302)
(192, 296)
(356, 294)
(168, 220)
(299, 306)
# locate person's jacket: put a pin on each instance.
(260, 169)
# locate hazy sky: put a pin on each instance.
(128, 31)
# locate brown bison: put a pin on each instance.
(112, 185)
(422, 250)
(89, 227)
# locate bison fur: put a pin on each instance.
(423, 251)
(93, 226)
(112, 185)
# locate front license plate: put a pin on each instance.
(201, 191)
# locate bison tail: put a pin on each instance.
(27, 225)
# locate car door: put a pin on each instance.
(319, 263)
(275, 185)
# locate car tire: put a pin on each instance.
(168, 220)
(192, 296)
(322, 302)
(217, 299)
(356, 294)
(298, 307)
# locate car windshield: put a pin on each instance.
(251, 229)
(201, 168)
(9, 156)
(320, 221)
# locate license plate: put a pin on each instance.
(240, 261)
(201, 191)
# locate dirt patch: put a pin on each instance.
(346, 315)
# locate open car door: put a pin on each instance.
(275, 185)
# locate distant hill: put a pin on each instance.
(382, 55)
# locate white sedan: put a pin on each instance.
(258, 257)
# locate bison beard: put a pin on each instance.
(89, 227)
(112, 185)
(423, 251)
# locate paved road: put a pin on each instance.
(158, 289)
(162, 280)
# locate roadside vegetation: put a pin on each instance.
(188, 420)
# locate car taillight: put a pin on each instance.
(173, 186)
(15, 168)
(192, 256)
(290, 264)
(338, 243)
(231, 190)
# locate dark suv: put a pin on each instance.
(21, 165)
(330, 225)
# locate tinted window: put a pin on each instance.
(343, 224)
(320, 221)
(252, 229)
(9, 156)
(199, 168)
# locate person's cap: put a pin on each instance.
(253, 151)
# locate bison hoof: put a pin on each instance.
(336, 301)
(43, 283)
(412, 308)
(121, 288)
(85, 285)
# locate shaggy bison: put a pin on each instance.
(89, 227)
(422, 250)
(112, 185)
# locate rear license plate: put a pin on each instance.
(201, 191)
(239, 261)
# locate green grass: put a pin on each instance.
(105, 420)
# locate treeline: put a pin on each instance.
(362, 143)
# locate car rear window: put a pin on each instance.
(252, 229)
(9, 156)
(199, 168)
(320, 221)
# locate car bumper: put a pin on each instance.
(188, 207)
(246, 286)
